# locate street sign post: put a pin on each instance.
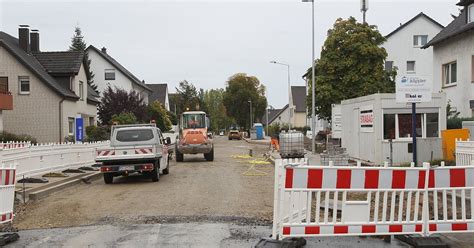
(413, 89)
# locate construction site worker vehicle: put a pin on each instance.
(234, 134)
(193, 136)
(138, 148)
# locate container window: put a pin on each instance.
(405, 126)
(389, 126)
(432, 125)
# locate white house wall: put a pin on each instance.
(400, 48)
(98, 67)
(460, 49)
(35, 114)
(70, 109)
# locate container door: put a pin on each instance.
(356, 130)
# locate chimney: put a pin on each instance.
(104, 50)
(34, 38)
(24, 37)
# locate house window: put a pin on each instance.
(410, 66)
(399, 126)
(81, 90)
(109, 74)
(471, 13)
(388, 65)
(91, 121)
(450, 73)
(3, 85)
(70, 129)
(24, 82)
(420, 40)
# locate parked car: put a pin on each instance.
(235, 134)
(222, 133)
(139, 148)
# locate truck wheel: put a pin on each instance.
(179, 156)
(209, 156)
(108, 178)
(155, 173)
(167, 170)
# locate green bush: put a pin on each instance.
(69, 139)
(158, 113)
(124, 118)
(456, 122)
(97, 133)
(6, 137)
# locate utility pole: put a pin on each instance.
(313, 84)
(364, 6)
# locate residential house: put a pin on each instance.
(297, 114)
(159, 92)
(109, 72)
(453, 56)
(172, 102)
(272, 115)
(404, 44)
(49, 89)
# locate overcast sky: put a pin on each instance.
(205, 42)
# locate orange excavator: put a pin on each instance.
(193, 136)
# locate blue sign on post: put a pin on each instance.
(79, 129)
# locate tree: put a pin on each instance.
(240, 89)
(158, 113)
(116, 101)
(187, 97)
(213, 101)
(351, 65)
(78, 44)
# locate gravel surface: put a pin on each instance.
(195, 190)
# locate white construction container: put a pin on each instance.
(292, 145)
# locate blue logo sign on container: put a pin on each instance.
(79, 129)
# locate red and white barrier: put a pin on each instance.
(332, 201)
(7, 192)
(451, 197)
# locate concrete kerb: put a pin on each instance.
(39, 192)
(258, 142)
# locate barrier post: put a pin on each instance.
(426, 216)
(276, 199)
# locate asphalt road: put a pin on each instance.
(205, 235)
(195, 190)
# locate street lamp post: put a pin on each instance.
(251, 119)
(289, 92)
(313, 94)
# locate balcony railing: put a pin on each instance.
(6, 101)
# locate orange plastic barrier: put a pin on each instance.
(275, 145)
(449, 141)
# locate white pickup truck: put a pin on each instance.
(134, 148)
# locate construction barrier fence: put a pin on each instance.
(7, 192)
(354, 200)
